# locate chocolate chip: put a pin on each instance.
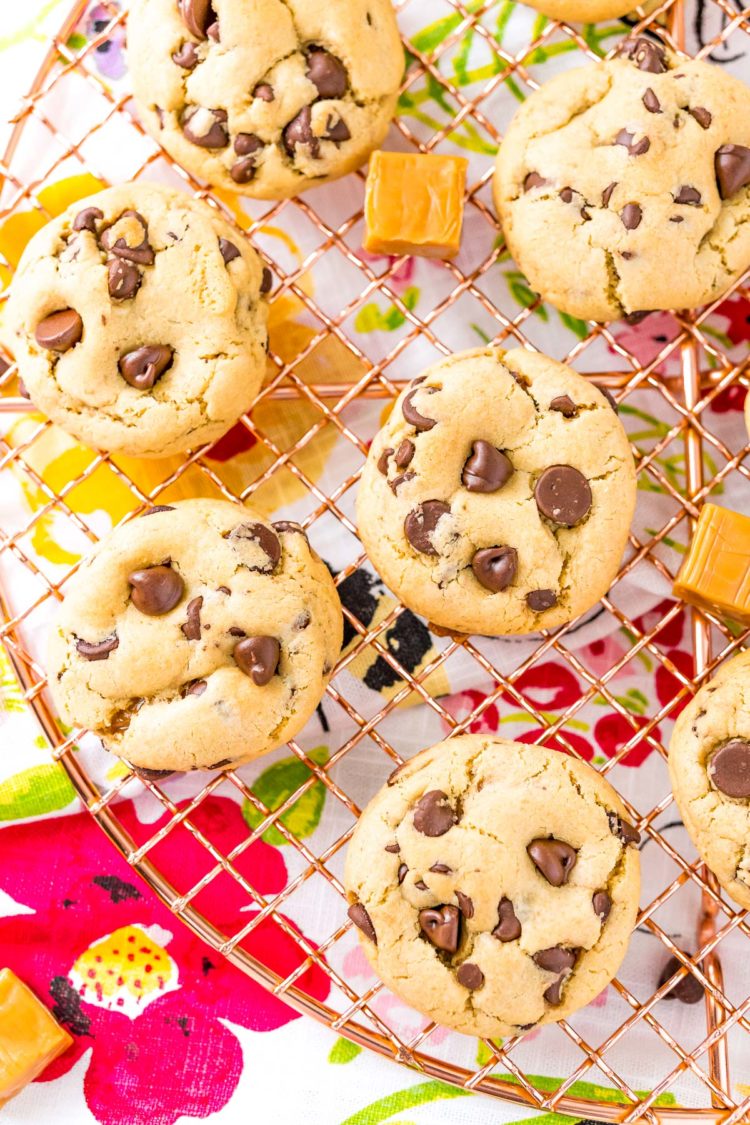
(142, 367)
(690, 196)
(152, 775)
(622, 829)
(676, 219)
(302, 621)
(87, 219)
(701, 115)
(627, 254)
(421, 886)
(266, 281)
(441, 869)
(688, 990)
(608, 395)
(336, 130)
(326, 72)
(602, 904)
(637, 317)
(433, 814)
(186, 56)
(299, 132)
(264, 537)
(553, 858)
(631, 216)
(123, 279)
(197, 16)
(382, 463)
(563, 495)
(470, 976)
(396, 483)
(556, 959)
(607, 193)
(729, 768)
(206, 128)
(404, 453)
(540, 600)
(197, 687)
(420, 524)
(59, 331)
(393, 775)
(508, 927)
(566, 195)
(214, 32)
(403, 871)
(487, 469)
(645, 53)
(97, 650)
(412, 415)
(495, 568)
(192, 627)
(585, 215)
(651, 102)
(155, 590)
(246, 145)
(564, 405)
(361, 919)
(732, 166)
(142, 253)
(258, 658)
(626, 139)
(264, 91)
(157, 508)
(228, 250)
(441, 925)
(465, 904)
(290, 527)
(394, 849)
(235, 631)
(534, 180)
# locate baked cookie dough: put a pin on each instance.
(266, 97)
(492, 900)
(498, 496)
(638, 167)
(138, 321)
(709, 765)
(586, 11)
(195, 637)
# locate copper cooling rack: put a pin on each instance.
(683, 381)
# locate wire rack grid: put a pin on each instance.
(685, 378)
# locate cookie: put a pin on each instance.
(138, 321)
(195, 637)
(709, 765)
(586, 11)
(489, 900)
(497, 497)
(266, 97)
(638, 167)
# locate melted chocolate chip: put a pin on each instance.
(495, 568)
(566, 195)
(540, 600)
(97, 650)
(382, 462)
(631, 216)
(117, 245)
(732, 166)
(394, 849)
(420, 885)
(59, 331)
(607, 193)
(264, 537)
(564, 405)
(420, 525)
(299, 132)
(326, 72)
(197, 687)
(403, 871)
(214, 32)
(123, 279)
(554, 859)
(508, 927)
(197, 16)
(651, 102)
(608, 395)
(701, 115)
(206, 128)
(627, 140)
(247, 146)
(258, 658)
(470, 976)
(157, 508)
(412, 415)
(186, 56)
(264, 91)
(142, 367)
(689, 196)
(289, 526)
(534, 180)
(155, 590)
(441, 869)
(729, 768)
(602, 904)
(645, 53)
(563, 495)
(302, 621)
(556, 959)
(192, 626)
(336, 130)
(404, 453)
(441, 925)
(487, 469)
(396, 483)
(362, 920)
(152, 775)
(228, 250)
(87, 219)
(433, 814)
(622, 829)
(465, 904)
(266, 281)
(688, 990)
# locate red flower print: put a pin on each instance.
(127, 978)
(737, 311)
(668, 635)
(668, 685)
(548, 686)
(731, 398)
(646, 339)
(235, 441)
(577, 742)
(462, 703)
(613, 731)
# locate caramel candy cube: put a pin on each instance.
(30, 1037)
(716, 572)
(414, 204)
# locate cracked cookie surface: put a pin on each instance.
(138, 321)
(639, 168)
(494, 884)
(498, 496)
(196, 636)
(709, 766)
(266, 97)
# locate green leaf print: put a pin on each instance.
(41, 789)
(384, 1108)
(276, 784)
(11, 697)
(343, 1051)
(371, 319)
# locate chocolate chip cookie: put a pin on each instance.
(709, 764)
(494, 884)
(586, 11)
(498, 496)
(639, 168)
(138, 321)
(266, 97)
(196, 636)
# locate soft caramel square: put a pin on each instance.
(414, 204)
(716, 572)
(30, 1037)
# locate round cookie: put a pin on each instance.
(498, 496)
(266, 97)
(586, 11)
(709, 765)
(195, 637)
(138, 321)
(490, 902)
(639, 168)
